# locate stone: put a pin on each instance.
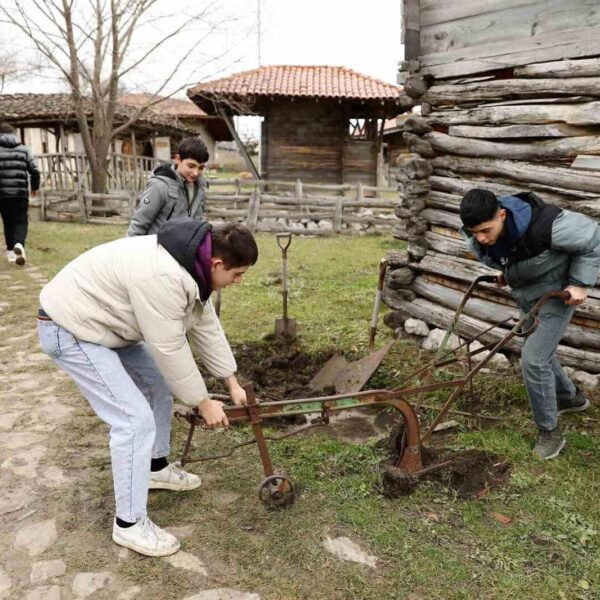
(325, 225)
(183, 560)
(395, 318)
(24, 464)
(312, 226)
(130, 593)
(14, 500)
(5, 584)
(416, 327)
(8, 420)
(582, 379)
(435, 338)
(400, 278)
(86, 584)
(55, 477)
(345, 549)
(182, 531)
(19, 439)
(37, 537)
(44, 592)
(40, 571)
(223, 594)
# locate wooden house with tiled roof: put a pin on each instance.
(320, 123)
(211, 128)
(48, 123)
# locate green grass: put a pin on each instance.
(430, 545)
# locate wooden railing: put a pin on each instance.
(297, 207)
(70, 171)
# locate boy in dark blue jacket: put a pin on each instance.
(538, 248)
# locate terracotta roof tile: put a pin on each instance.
(60, 107)
(169, 106)
(300, 81)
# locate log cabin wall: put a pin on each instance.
(510, 101)
(311, 139)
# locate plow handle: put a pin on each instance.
(383, 265)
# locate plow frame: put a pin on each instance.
(277, 490)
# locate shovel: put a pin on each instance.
(286, 326)
(349, 377)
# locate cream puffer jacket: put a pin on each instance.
(133, 290)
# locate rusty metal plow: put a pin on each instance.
(277, 490)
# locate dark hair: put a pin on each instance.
(478, 206)
(234, 244)
(6, 128)
(193, 147)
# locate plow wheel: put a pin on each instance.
(276, 491)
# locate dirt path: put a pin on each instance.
(54, 478)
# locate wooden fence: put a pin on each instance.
(70, 171)
(294, 207)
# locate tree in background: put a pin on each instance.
(97, 44)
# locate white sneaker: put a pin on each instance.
(146, 538)
(19, 254)
(11, 256)
(173, 477)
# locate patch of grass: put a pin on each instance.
(429, 545)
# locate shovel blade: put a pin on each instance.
(357, 373)
(285, 327)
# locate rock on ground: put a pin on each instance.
(587, 381)
(345, 549)
(183, 560)
(37, 537)
(416, 327)
(86, 584)
(40, 571)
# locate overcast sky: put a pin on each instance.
(364, 36)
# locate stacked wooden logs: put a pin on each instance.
(536, 128)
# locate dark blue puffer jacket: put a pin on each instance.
(16, 166)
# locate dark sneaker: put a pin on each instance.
(575, 404)
(549, 444)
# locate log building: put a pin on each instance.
(510, 101)
(321, 123)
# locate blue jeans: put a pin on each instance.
(126, 390)
(544, 377)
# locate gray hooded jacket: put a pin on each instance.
(166, 198)
(16, 166)
(571, 256)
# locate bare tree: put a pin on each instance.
(12, 69)
(96, 44)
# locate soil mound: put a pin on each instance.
(469, 473)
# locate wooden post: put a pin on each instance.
(411, 28)
(81, 202)
(253, 210)
(42, 195)
(339, 214)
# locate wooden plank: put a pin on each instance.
(549, 149)
(569, 44)
(442, 11)
(577, 114)
(586, 163)
(502, 89)
(521, 171)
(553, 130)
(586, 67)
(509, 24)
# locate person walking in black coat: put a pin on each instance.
(17, 170)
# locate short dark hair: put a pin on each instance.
(6, 128)
(234, 244)
(478, 206)
(193, 147)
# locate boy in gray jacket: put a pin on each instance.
(173, 191)
(538, 248)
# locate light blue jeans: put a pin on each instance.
(544, 377)
(126, 390)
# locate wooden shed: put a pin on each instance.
(510, 101)
(321, 123)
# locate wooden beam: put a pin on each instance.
(586, 67)
(411, 29)
(552, 130)
(247, 160)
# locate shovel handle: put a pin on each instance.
(283, 241)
